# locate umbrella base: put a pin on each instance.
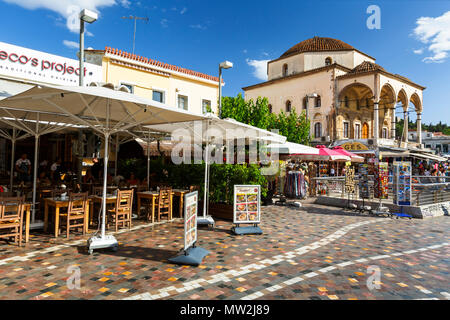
(246, 230)
(208, 220)
(98, 242)
(191, 257)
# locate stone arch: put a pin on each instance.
(415, 100)
(355, 92)
(402, 98)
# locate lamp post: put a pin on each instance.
(89, 17)
(223, 65)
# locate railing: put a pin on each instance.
(425, 189)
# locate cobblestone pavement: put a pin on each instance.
(314, 252)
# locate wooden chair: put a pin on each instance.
(11, 218)
(121, 214)
(165, 203)
(76, 213)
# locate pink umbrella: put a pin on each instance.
(354, 157)
(332, 155)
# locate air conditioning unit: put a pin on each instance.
(325, 139)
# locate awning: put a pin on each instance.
(392, 154)
(291, 148)
(428, 156)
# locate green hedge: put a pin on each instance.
(222, 178)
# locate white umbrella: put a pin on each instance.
(291, 148)
(101, 109)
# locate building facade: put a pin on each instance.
(175, 86)
(347, 96)
(436, 141)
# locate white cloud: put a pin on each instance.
(164, 23)
(435, 33)
(260, 68)
(68, 9)
(197, 26)
(418, 51)
(183, 11)
(71, 44)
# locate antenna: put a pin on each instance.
(135, 18)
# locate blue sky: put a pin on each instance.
(198, 34)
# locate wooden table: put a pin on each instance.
(153, 196)
(27, 209)
(58, 204)
(98, 200)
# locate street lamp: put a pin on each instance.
(89, 17)
(223, 65)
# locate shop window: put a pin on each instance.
(288, 106)
(206, 106)
(158, 96)
(183, 102)
(318, 130)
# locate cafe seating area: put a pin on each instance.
(77, 210)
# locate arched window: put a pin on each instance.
(318, 130)
(318, 102)
(305, 103)
(328, 61)
(346, 101)
(367, 103)
(288, 106)
(384, 133)
(357, 105)
(285, 70)
(270, 108)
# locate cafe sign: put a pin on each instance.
(354, 146)
(27, 64)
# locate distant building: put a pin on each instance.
(436, 141)
(349, 99)
(175, 86)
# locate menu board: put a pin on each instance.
(247, 202)
(382, 181)
(402, 183)
(190, 219)
(349, 179)
(364, 181)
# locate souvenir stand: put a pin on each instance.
(350, 184)
(247, 209)
(402, 186)
(381, 187)
(295, 182)
(364, 191)
(192, 255)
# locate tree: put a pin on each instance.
(294, 127)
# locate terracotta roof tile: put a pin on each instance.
(135, 57)
(366, 66)
(318, 44)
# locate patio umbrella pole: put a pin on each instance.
(13, 150)
(117, 152)
(206, 219)
(36, 146)
(104, 241)
(148, 161)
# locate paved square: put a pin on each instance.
(313, 252)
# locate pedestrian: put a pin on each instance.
(56, 170)
(23, 167)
